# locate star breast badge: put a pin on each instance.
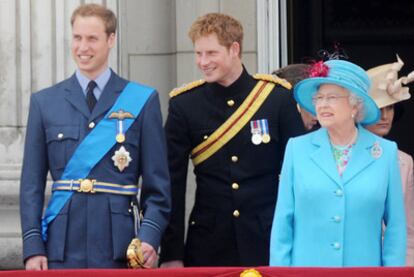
(121, 158)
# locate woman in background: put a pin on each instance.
(387, 90)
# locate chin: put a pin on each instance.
(210, 79)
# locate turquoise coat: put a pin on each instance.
(322, 219)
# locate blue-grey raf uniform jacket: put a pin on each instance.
(92, 230)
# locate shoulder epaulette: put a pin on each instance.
(186, 87)
(273, 79)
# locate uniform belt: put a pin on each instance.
(92, 186)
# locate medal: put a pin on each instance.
(265, 131)
(376, 150)
(255, 129)
(266, 138)
(120, 138)
(120, 116)
(121, 158)
(256, 139)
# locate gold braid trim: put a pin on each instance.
(273, 79)
(186, 87)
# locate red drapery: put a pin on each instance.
(222, 272)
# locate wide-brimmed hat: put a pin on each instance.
(386, 88)
(342, 73)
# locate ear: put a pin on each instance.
(111, 40)
(235, 49)
(355, 111)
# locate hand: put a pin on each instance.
(150, 256)
(36, 263)
(172, 264)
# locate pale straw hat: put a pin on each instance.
(387, 89)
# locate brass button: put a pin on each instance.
(234, 159)
(91, 125)
(236, 213)
(192, 223)
(235, 186)
(60, 136)
(205, 137)
(230, 103)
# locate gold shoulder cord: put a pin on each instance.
(273, 79)
(186, 87)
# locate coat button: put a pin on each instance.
(336, 245)
(192, 223)
(91, 125)
(339, 193)
(230, 103)
(235, 186)
(337, 218)
(236, 213)
(60, 136)
(205, 137)
(234, 159)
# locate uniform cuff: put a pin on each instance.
(150, 232)
(33, 245)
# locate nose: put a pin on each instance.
(385, 113)
(203, 60)
(83, 45)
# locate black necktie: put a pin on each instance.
(90, 97)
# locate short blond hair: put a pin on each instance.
(227, 29)
(107, 16)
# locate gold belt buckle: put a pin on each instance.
(86, 185)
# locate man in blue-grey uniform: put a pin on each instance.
(97, 134)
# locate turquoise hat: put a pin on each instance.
(342, 73)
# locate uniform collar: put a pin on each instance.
(238, 87)
(101, 81)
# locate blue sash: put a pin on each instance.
(95, 146)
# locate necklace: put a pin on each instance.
(350, 143)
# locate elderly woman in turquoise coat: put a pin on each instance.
(339, 184)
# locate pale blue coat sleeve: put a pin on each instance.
(395, 235)
(281, 239)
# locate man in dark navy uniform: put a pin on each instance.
(235, 127)
(97, 134)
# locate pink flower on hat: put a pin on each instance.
(319, 69)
